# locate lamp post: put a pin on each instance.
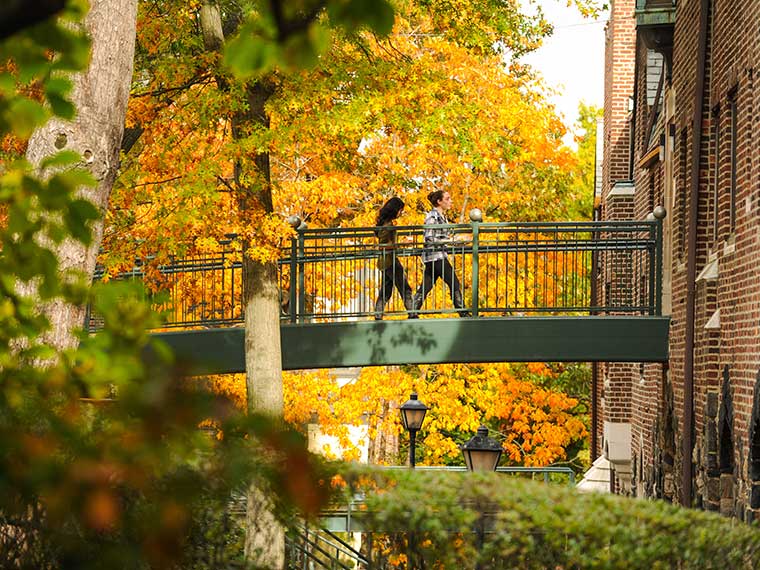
(482, 453)
(412, 415)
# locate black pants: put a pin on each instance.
(433, 271)
(394, 275)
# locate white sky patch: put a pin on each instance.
(571, 60)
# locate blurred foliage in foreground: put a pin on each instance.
(102, 463)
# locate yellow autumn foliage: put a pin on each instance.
(536, 424)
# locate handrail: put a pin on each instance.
(313, 546)
(330, 274)
(338, 544)
(316, 561)
(315, 537)
(350, 549)
(559, 469)
(347, 517)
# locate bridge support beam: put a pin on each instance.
(429, 341)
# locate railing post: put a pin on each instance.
(659, 215)
(295, 223)
(652, 263)
(301, 278)
(476, 216)
(293, 279)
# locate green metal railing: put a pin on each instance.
(347, 518)
(313, 548)
(515, 269)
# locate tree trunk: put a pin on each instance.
(265, 536)
(100, 95)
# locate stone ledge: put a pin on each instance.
(622, 189)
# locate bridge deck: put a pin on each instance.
(427, 341)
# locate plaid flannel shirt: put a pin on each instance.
(435, 237)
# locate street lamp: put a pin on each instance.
(482, 453)
(412, 415)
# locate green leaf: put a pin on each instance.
(76, 55)
(30, 61)
(162, 351)
(56, 232)
(249, 56)
(60, 159)
(24, 115)
(77, 219)
(60, 86)
(7, 85)
(62, 185)
(50, 284)
(300, 51)
(378, 15)
(61, 106)
(40, 352)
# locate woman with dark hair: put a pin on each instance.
(434, 256)
(388, 263)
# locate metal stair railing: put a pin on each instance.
(309, 549)
(350, 551)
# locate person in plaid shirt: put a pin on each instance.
(434, 255)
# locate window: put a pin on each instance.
(716, 170)
(682, 191)
(733, 111)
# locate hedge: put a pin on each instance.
(482, 521)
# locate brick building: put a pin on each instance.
(680, 112)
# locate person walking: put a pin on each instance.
(388, 263)
(434, 256)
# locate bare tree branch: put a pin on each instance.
(198, 79)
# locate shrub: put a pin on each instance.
(465, 520)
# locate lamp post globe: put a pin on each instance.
(412, 415)
(482, 453)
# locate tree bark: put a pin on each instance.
(265, 536)
(100, 95)
(211, 26)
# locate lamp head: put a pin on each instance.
(413, 413)
(482, 453)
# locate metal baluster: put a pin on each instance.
(293, 278)
(475, 262)
(301, 308)
(659, 214)
(558, 301)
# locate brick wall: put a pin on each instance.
(615, 379)
(729, 158)
(620, 45)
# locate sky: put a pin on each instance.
(572, 59)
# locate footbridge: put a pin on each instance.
(532, 292)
